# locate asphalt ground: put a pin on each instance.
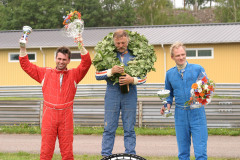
(218, 146)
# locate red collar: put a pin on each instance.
(125, 52)
(61, 71)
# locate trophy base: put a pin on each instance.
(167, 113)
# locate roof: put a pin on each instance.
(156, 34)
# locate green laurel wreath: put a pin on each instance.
(106, 57)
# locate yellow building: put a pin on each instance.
(214, 46)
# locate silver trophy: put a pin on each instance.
(26, 31)
(163, 94)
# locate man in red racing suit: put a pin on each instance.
(59, 87)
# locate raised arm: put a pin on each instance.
(32, 70)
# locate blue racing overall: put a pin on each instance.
(114, 102)
(188, 122)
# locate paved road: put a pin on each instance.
(218, 146)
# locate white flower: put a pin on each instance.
(192, 92)
(199, 90)
(208, 100)
(199, 83)
(206, 87)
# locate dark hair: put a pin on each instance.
(64, 50)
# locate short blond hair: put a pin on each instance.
(176, 45)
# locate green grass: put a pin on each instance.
(224, 97)
(19, 98)
(29, 156)
(28, 129)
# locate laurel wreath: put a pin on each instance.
(106, 57)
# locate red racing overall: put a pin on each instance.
(58, 94)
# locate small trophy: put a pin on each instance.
(163, 94)
(26, 31)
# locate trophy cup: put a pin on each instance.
(163, 94)
(26, 31)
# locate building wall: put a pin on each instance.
(12, 73)
(223, 68)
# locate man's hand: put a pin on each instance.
(23, 50)
(123, 80)
(163, 108)
(79, 41)
(117, 69)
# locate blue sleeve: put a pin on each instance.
(168, 86)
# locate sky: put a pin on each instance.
(179, 3)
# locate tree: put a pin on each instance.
(37, 14)
(195, 3)
(151, 12)
(109, 8)
(125, 14)
(47, 14)
(228, 11)
(210, 2)
(91, 11)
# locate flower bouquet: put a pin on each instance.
(74, 26)
(201, 92)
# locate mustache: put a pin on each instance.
(122, 48)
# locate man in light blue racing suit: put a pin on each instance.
(188, 122)
(116, 101)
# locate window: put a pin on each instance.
(14, 57)
(75, 56)
(199, 53)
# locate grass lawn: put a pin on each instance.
(28, 156)
(28, 129)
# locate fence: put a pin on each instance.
(98, 90)
(90, 112)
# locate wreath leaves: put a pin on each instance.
(106, 57)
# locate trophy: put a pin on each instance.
(163, 94)
(26, 31)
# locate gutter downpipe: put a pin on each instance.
(43, 56)
(165, 60)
